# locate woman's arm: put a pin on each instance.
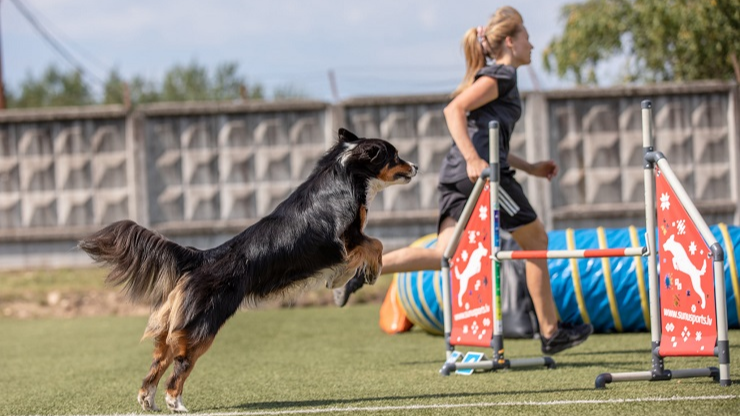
(544, 169)
(483, 90)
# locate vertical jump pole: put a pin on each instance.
(648, 146)
(497, 343)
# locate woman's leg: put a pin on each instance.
(409, 259)
(534, 237)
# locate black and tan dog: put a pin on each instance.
(315, 234)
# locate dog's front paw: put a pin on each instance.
(371, 272)
(342, 294)
(175, 404)
(146, 399)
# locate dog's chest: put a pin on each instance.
(373, 187)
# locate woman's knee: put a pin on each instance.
(532, 236)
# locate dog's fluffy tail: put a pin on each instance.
(147, 264)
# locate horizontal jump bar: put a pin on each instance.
(572, 254)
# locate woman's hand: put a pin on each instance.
(544, 169)
(475, 167)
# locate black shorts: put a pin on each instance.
(515, 210)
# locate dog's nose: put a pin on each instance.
(415, 169)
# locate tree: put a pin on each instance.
(53, 89)
(288, 92)
(193, 83)
(663, 40)
(113, 90)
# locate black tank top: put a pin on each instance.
(506, 109)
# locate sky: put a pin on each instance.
(373, 47)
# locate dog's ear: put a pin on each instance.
(372, 152)
(346, 136)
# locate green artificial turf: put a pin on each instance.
(302, 359)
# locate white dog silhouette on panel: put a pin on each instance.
(473, 268)
(682, 263)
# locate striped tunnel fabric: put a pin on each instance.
(420, 293)
(613, 295)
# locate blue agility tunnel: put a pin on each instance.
(611, 293)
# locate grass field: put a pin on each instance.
(333, 361)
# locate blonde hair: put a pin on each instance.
(505, 22)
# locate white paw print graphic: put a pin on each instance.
(465, 329)
(475, 327)
(483, 213)
(698, 337)
(472, 236)
(681, 227)
(486, 322)
(685, 334)
(692, 248)
(669, 327)
(665, 202)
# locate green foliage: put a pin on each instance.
(54, 88)
(191, 82)
(287, 92)
(113, 90)
(143, 91)
(676, 40)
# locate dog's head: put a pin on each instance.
(376, 159)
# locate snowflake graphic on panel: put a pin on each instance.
(681, 227)
(698, 335)
(692, 248)
(483, 213)
(472, 235)
(664, 202)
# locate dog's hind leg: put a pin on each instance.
(186, 353)
(162, 359)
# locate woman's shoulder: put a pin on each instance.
(498, 71)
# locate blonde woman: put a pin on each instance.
(489, 92)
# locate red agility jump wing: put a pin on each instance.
(687, 306)
(470, 279)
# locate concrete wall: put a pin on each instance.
(201, 172)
